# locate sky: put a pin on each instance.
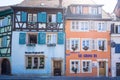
(109, 5)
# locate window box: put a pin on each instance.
(85, 47)
(31, 44)
(74, 47)
(101, 48)
(29, 67)
(51, 45)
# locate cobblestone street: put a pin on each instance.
(55, 78)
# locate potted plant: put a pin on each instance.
(85, 47)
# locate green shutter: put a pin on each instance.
(61, 38)
(59, 17)
(22, 38)
(4, 41)
(42, 38)
(42, 17)
(24, 16)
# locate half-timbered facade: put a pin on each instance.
(5, 39)
(38, 38)
(87, 40)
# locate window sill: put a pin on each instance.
(31, 44)
(51, 45)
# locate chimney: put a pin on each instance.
(60, 3)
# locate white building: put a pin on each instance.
(38, 38)
(115, 49)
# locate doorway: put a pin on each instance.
(102, 68)
(117, 69)
(6, 70)
(57, 68)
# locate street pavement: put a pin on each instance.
(4, 77)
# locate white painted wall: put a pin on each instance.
(115, 57)
(18, 56)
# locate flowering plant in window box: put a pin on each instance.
(101, 48)
(74, 47)
(85, 47)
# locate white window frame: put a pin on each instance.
(32, 61)
(32, 17)
(74, 39)
(74, 65)
(90, 66)
(76, 26)
(53, 39)
(102, 39)
(85, 25)
(85, 39)
(94, 10)
(28, 35)
(53, 18)
(103, 26)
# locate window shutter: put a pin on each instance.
(112, 28)
(24, 16)
(22, 38)
(4, 41)
(59, 17)
(42, 17)
(68, 44)
(60, 38)
(95, 44)
(117, 48)
(42, 38)
(108, 26)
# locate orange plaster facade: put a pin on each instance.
(96, 55)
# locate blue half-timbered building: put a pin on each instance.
(38, 38)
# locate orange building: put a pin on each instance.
(87, 41)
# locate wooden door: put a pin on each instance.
(57, 68)
(117, 69)
(102, 68)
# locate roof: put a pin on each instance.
(4, 8)
(39, 3)
(86, 2)
(117, 9)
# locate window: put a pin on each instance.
(52, 18)
(1, 21)
(51, 39)
(32, 38)
(84, 26)
(18, 16)
(116, 29)
(102, 27)
(67, 44)
(94, 10)
(86, 66)
(102, 45)
(74, 44)
(32, 17)
(35, 62)
(74, 66)
(85, 44)
(79, 26)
